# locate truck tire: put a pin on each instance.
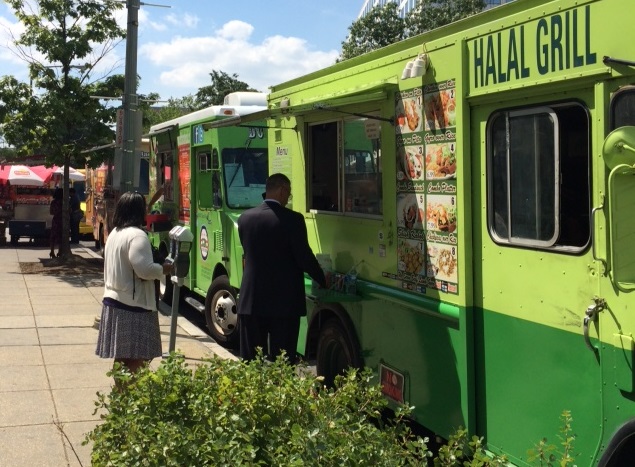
(335, 352)
(221, 312)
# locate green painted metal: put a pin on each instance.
(403, 298)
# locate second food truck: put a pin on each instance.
(208, 177)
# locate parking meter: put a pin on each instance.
(181, 239)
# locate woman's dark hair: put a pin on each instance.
(58, 193)
(130, 211)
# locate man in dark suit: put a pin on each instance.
(277, 254)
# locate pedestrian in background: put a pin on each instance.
(277, 254)
(56, 222)
(129, 326)
(76, 214)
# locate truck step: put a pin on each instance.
(195, 303)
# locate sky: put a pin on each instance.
(264, 42)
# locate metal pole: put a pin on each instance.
(176, 293)
(130, 98)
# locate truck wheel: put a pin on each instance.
(335, 352)
(221, 312)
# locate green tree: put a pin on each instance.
(432, 14)
(382, 26)
(60, 120)
(174, 108)
(222, 84)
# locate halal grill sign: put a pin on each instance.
(559, 42)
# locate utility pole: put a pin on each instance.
(130, 100)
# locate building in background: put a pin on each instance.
(406, 5)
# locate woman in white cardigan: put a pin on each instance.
(129, 327)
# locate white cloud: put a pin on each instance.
(236, 30)
(145, 21)
(187, 61)
(186, 20)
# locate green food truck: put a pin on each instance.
(207, 178)
(472, 193)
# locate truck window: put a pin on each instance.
(345, 177)
(623, 108)
(244, 175)
(204, 186)
(538, 168)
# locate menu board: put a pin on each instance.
(184, 179)
(427, 249)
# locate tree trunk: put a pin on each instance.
(65, 246)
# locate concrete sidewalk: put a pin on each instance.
(49, 373)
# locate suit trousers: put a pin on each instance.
(272, 333)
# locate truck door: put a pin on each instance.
(533, 274)
(207, 203)
(612, 319)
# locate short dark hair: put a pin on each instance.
(130, 211)
(277, 180)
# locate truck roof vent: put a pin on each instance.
(246, 98)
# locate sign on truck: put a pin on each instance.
(472, 189)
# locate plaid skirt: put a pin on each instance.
(128, 334)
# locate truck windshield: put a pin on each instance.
(244, 176)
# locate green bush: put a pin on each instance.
(228, 412)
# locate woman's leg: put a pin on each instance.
(132, 364)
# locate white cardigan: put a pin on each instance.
(129, 270)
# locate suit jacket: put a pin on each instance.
(277, 254)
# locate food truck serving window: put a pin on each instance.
(538, 163)
(345, 167)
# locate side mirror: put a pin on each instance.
(619, 147)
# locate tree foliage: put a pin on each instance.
(383, 26)
(173, 109)
(54, 115)
(222, 84)
(432, 14)
(214, 94)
